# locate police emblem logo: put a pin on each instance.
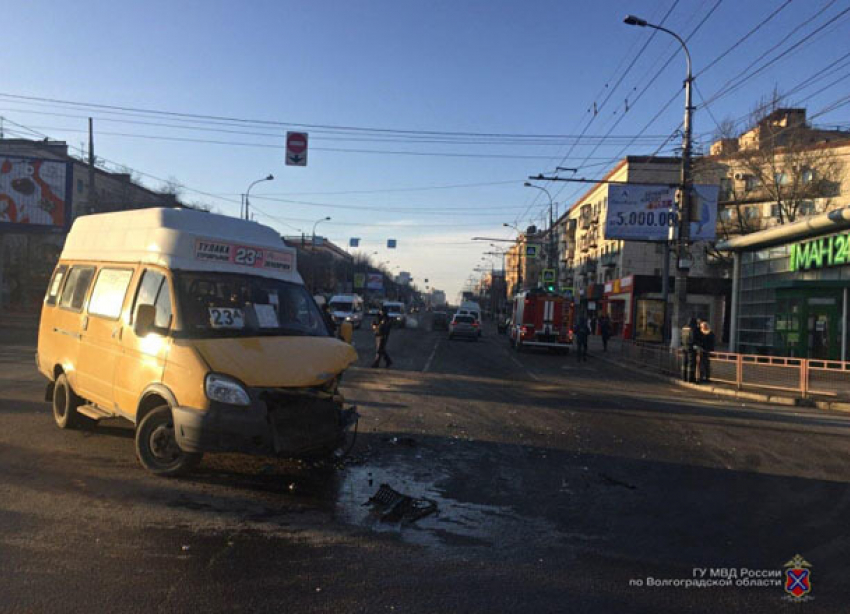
(798, 577)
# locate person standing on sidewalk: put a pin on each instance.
(706, 347)
(581, 331)
(605, 331)
(382, 326)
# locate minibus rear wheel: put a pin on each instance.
(156, 445)
(65, 404)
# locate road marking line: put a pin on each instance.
(431, 357)
(523, 367)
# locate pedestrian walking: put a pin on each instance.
(581, 330)
(382, 326)
(706, 348)
(605, 331)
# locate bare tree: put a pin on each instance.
(172, 186)
(791, 174)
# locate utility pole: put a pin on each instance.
(92, 204)
(551, 256)
(680, 304)
(683, 256)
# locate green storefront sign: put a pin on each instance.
(822, 252)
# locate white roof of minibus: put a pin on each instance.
(180, 239)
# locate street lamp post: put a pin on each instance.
(680, 304)
(313, 254)
(248, 193)
(552, 260)
(519, 257)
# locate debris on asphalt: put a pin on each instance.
(410, 442)
(393, 506)
(615, 482)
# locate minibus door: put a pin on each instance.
(143, 357)
(100, 336)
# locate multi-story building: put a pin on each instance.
(624, 278)
(32, 233)
(521, 270)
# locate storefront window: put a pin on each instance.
(790, 313)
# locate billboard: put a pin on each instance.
(375, 281)
(35, 194)
(648, 212)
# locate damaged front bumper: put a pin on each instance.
(287, 423)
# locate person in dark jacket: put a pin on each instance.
(581, 330)
(382, 326)
(706, 347)
(605, 331)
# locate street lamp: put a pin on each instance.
(680, 304)
(270, 177)
(324, 219)
(552, 260)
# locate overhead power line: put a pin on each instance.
(746, 75)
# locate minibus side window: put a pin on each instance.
(74, 292)
(56, 283)
(154, 290)
(107, 297)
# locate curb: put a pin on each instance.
(737, 394)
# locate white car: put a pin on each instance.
(396, 311)
(347, 308)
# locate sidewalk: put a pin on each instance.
(20, 321)
(614, 356)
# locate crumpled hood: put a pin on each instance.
(278, 362)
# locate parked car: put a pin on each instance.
(440, 321)
(464, 326)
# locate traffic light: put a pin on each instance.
(550, 287)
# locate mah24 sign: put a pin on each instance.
(819, 253)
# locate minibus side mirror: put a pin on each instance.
(346, 330)
(145, 317)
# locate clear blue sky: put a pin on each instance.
(483, 67)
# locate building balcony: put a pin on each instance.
(610, 259)
(587, 268)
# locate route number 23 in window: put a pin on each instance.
(247, 256)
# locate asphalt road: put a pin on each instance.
(559, 486)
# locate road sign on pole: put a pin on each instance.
(296, 149)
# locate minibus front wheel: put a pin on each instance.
(156, 445)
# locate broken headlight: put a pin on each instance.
(225, 390)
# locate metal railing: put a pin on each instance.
(802, 376)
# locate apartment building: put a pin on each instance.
(624, 279)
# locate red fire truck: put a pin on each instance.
(541, 319)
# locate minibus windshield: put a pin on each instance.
(346, 306)
(231, 305)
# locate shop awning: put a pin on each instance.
(811, 227)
